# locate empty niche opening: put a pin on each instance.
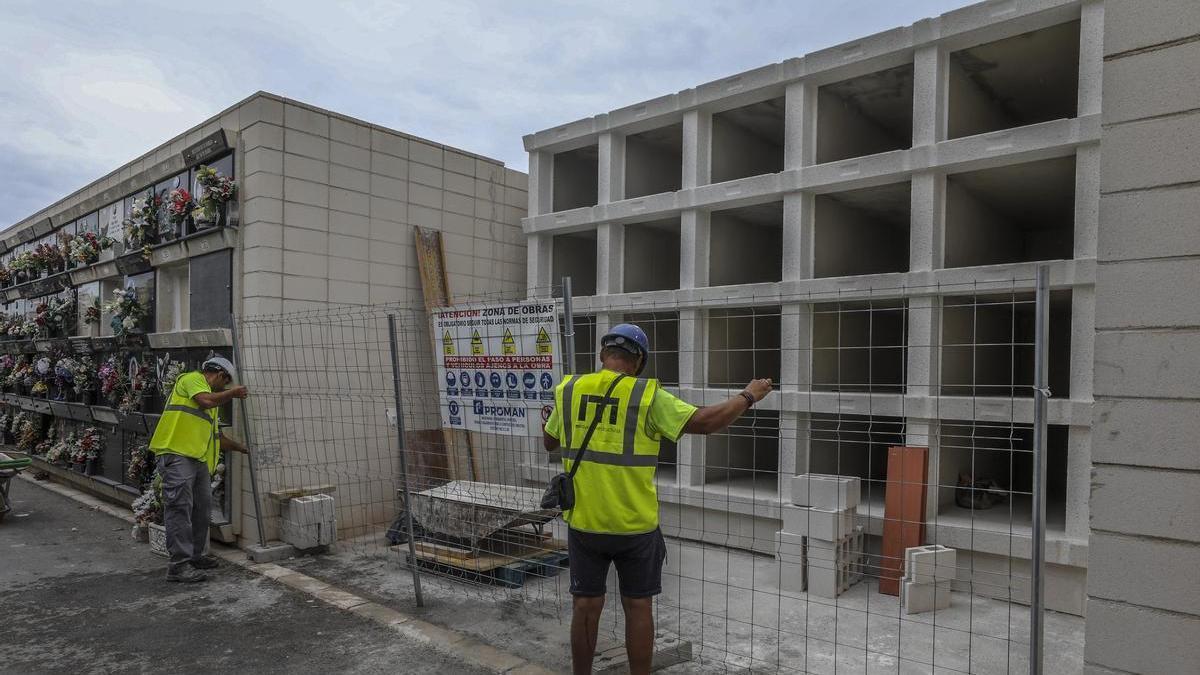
(654, 161)
(1011, 214)
(576, 178)
(1020, 80)
(860, 346)
(985, 474)
(575, 257)
(662, 329)
(862, 231)
(746, 245)
(743, 344)
(854, 445)
(745, 457)
(652, 256)
(748, 141)
(865, 115)
(988, 345)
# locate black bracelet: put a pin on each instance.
(749, 399)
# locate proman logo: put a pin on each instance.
(594, 399)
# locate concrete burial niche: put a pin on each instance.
(859, 346)
(746, 245)
(574, 255)
(654, 161)
(1025, 79)
(652, 256)
(865, 115)
(746, 456)
(748, 141)
(576, 178)
(662, 328)
(862, 231)
(1000, 455)
(743, 344)
(1010, 214)
(988, 345)
(854, 445)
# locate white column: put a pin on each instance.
(800, 125)
(694, 238)
(923, 433)
(541, 183)
(1083, 340)
(610, 258)
(1091, 57)
(1087, 199)
(692, 352)
(929, 95)
(1079, 466)
(798, 239)
(538, 264)
(926, 245)
(697, 148)
(611, 173)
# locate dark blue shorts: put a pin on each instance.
(639, 560)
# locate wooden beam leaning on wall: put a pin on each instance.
(431, 262)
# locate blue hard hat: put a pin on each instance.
(630, 338)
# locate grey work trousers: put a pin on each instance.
(187, 506)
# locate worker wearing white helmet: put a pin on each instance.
(187, 442)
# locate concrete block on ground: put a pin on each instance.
(826, 491)
(916, 598)
(826, 580)
(789, 547)
(793, 576)
(823, 524)
(308, 522)
(930, 564)
(669, 650)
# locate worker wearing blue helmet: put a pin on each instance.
(622, 418)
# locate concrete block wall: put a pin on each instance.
(909, 191)
(1145, 469)
(331, 206)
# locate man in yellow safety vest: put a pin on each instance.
(614, 519)
(186, 443)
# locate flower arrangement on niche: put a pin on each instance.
(216, 190)
(147, 509)
(179, 206)
(54, 316)
(91, 313)
(27, 435)
(83, 378)
(84, 249)
(170, 373)
(112, 379)
(127, 312)
(50, 257)
(87, 448)
(131, 399)
(16, 375)
(62, 451)
(141, 226)
(141, 466)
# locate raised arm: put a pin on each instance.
(713, 418)
(214, 399)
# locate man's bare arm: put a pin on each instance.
(713, 418)
(216, 399)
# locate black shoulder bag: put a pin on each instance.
(560, 493)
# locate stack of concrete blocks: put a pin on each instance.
(309, 522)
(819, 548)
(928, 572)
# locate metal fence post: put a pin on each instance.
(1041, 392)
(408, 522)
(250, 460)
(568, 329)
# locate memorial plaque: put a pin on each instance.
(132, 263)
(212, 144)
(105, 415)
(81, 345)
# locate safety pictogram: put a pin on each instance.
(476, 344)
(447, 344)
(544, 345)
(507, 344)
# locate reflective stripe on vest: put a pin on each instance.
(614, 487)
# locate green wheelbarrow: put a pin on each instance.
(10, 466)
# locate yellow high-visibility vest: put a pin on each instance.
(187, 429)
(614, 487)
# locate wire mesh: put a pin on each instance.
(944, 368)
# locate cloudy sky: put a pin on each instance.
(87, 86)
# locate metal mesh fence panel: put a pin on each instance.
(916, 403)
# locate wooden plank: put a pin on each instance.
(435, 287)
(479, 563)
(442, 550)
(903, 512)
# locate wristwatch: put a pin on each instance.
(749, 399)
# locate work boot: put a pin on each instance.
(206, 562)
(186, 573)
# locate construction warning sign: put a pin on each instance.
(497, 370)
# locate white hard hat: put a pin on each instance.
(219, 363)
